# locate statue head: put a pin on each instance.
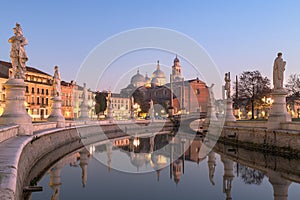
(279, 54)
(18, 29)
(56, 68)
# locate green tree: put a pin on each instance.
(252, 87)
(101, 103)
(140, 98)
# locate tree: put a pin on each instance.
(101, 103)
(293, 85)
(252, 87)
(140, 98)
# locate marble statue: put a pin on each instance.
(151, 104)
(108, 99)
(85, 93)
(278, 71)
(17, 54)
(227, 84)
(211, 93)
(56, 82)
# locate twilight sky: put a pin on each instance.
(237, 35)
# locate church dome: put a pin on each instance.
(138, 79)
(176, 59)
(155, 81)
(158, 73)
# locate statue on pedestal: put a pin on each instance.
(85, 93)
(227, 84)
(211, 93)
(278, 71)
(56, 82)
(17, 54)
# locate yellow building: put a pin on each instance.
(38, 90)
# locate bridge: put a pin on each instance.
(184, 121)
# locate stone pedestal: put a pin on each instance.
(110, 114)
(278, 113)
(211, 115)
(84, 112)
(280, 186)
(229, 111)
(15, 111)
(56, 115)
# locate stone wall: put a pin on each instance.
(27, 151)
(281, 141)
(7, 132)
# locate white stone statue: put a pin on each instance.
(227, 84)
(85, 93)
(56, 82)
(151, 104)
(17, 54)
(278, 71)
(211, 93)
(108, 99)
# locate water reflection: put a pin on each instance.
(237, 165)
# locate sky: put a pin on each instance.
(237, 35)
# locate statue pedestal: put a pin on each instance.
(84, 112)
(229, 111)
(211, 116)
(56, 115)
(278, 111)
(110, 114)
(15, 111)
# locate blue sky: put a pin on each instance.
(238, 35)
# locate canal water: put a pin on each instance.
(155, 168)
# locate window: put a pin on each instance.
(46, 101)
(38, 100)
(32, 100)
(46, 111)
(42, 101)
(32, 90)
(47, 92)
(38, 90)
(42, 91)
(27, 89)
(197, 91)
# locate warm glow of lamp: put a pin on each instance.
(136, 142)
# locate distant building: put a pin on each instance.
(121, 106)
(188, 95)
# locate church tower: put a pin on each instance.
(176, 71)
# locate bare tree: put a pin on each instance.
(293, 85)
(251, 88)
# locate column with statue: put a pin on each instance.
(278, 113)
(211, 112)
(109, 108)
(228, 101)
(84, 107)
(56, 115)
(15, 111)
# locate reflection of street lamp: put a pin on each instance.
(136, 141)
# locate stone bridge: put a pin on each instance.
(183, 122)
